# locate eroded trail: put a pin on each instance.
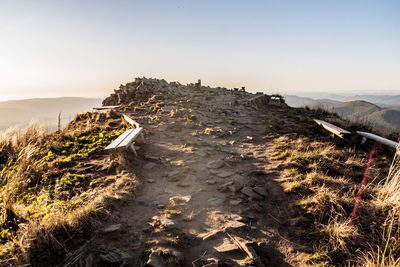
(207, 195)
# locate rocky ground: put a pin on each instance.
(207, 193)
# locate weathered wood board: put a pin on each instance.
(333, 128)
(380, 139)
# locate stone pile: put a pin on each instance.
(139, 90)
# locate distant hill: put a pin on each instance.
(356, 110)
(380, 100)
(297, 101)
(387, 119)
(21, 112)
(383, 113)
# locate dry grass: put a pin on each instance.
(40, 221)
(389, 191)
(324, 178)
(386, 252)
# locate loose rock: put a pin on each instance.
(261, 191)
(215, 164)
(112, 228)
(248, 191)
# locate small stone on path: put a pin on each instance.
(215, 164)
(248, 191)
(261, 191)
(211, 181)
(112, 228)
(215, 201)
(235, 202)
(222, 173)
(149, 165)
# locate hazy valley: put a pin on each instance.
(46, 110)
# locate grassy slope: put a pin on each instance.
(56, 185)
(381, 118)
(388, 118)
(356, 109)
(323, 176)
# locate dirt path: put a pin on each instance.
(206, 198)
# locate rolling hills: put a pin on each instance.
(383, 117)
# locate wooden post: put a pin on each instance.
(59, 122)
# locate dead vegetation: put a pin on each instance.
(323, 176)
(56, 187)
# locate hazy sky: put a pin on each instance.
(88, 48)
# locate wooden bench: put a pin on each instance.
(333, 128)
(125, 140)
(379, 139)
(106, 107)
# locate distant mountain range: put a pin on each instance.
(22, 112)
(379, 100)
(384, 116)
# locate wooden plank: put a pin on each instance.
(120, 138)
(332, 128)
(380, 139)
(106, 107)
(130, 138)
(130, 121)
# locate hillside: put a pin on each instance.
(383, 119)
(356, 109)
(44, 109)
(328, 99)
(388, 118)
(297, 101)
(223, 178)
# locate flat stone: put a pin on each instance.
(151, 181)
(151, 158)
(240, 180)
(168, 223)
(149, 165)
(211, 181)
(248, 191)
(227, 246)
(112, 228)
(215, 201)
(234, 188)
(235, 202)
(257, 207)
(174, 176)
(116, 256)
(201, 154)
(215, 164)
(224, 186)
(173, 173)
(211, 235)
(261, 191)
(222, 173)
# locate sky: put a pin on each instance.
(88, 48)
